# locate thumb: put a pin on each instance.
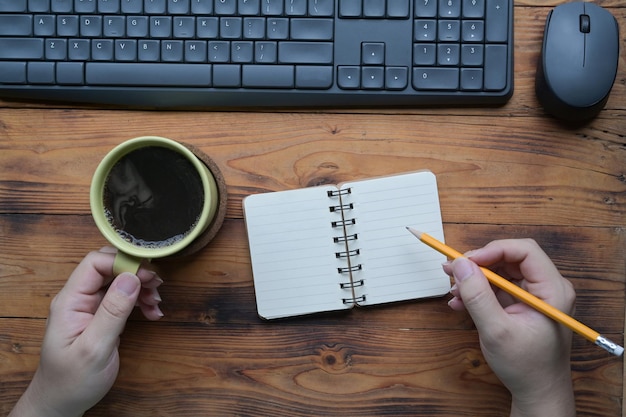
(478, 297)
(117, 304)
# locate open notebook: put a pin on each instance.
(333, 247)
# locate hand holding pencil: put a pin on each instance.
(528, 351)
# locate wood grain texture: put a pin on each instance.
(509, 171)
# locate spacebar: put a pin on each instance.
(138, 74)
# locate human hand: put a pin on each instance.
(79, 357)
(528, 351)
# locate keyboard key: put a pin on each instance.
(425, 30)
(272, 7)
(128, 6)
(125, 50)
(202, 7)
(108, 6)
(36, 6)
(61, 6)
(12, 72)
(177, 7)
(495, 67)
(56, 49)
(449, 9)
(372, 53)
(305, 52)
(102, 50)
(67, 26)
(318, 77)
(70, 73)
(312, 29)
(277, 28)
(473, 9)
(497, 20)
(471, 79)
(41, 72)
(91, 26)
(372, 78)
(21, 48)
(321, 7)
(449, 31)
(373, 8)
(195, 51)
(155, 6)
(249, 7)
(397, 9)
(230, 27)
(436, 78)
(241, 52)
(295, 7)
(448, 54)
(44, 25)
(349, 77)
(14, 25)
(350, 8)
(226, 75)
(472, 55)
(265, 52)
(473, 31)
(139, 74)
(396, 78)
(12, 5)
(425, 8)
(424, 54)
(267, 76)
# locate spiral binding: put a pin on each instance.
(355, 284)
(335, 193)
(353, 300)
(347, 222)
(351, 268)
(339, 239)
(347, 254)
(341, 207)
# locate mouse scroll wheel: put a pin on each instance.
(585, 23)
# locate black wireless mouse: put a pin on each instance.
(578, 61)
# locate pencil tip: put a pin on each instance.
(417, 233)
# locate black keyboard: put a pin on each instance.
(242, 53)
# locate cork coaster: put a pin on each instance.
(215, 225)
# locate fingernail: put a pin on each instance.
(158, 311)
(472, 252)
(462, 268)
(127, 284)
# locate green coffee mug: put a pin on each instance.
(151, 197)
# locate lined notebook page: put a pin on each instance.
(293, 253)
(395, 265)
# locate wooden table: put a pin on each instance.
(503, 173)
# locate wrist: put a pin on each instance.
(556, 400)
(36, 402)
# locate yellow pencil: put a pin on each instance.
(526, 297)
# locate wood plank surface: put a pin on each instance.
(503, 172)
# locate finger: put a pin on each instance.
(477, 295)
(148, 278)
(149, 296)
(531, 261)
(92, 273)
(110, 318)
(151, 312)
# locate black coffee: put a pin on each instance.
(153, 197)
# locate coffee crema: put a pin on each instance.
(153, 197)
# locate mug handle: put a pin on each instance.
(126, 263)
